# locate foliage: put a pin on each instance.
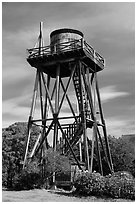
(29, 178)
(123, 154)
(118, 185)
(56, 162)
(13, 142)
(87, 183)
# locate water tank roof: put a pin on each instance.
(66, 30)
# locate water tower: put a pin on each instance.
(66, 79)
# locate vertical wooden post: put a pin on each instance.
(55, 139)
(41, 96)
(43, 116)
(40, 86)
(92, 112)
(104, 150)
(98, 149)
(104, 127)
(45, 111)
(83, 118)
(80, 149)
(66, 133)
(42, 137)
(92, 152)
(56, 107)
(31, 116)
(88, 87)
(95, 127)
(41, 104)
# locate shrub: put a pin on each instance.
(29, 178)
(118, 185)
(87, 183)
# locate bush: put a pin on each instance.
(27, 181)
(118, 185)
(87, 183)
(29, 178)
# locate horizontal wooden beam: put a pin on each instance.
(60, 118)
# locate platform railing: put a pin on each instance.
(65, 47)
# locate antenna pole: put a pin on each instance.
(41, 38)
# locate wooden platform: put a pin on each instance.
(47, 61)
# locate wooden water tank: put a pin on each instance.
(64, 39)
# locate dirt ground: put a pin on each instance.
(51, 196)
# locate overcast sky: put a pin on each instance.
(108, 27)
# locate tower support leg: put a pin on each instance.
(31, 116)
(104, 128)
(83, 118)
(56, 108)
(45, 113)
(80, 149)
(95, 128)
(93, 115)
(55, 139)
(44, 117)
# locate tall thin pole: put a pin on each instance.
(41, 38)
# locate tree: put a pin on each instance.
(123, 154)
(13, 143)
(54, 162)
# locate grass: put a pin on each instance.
(41, 195)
